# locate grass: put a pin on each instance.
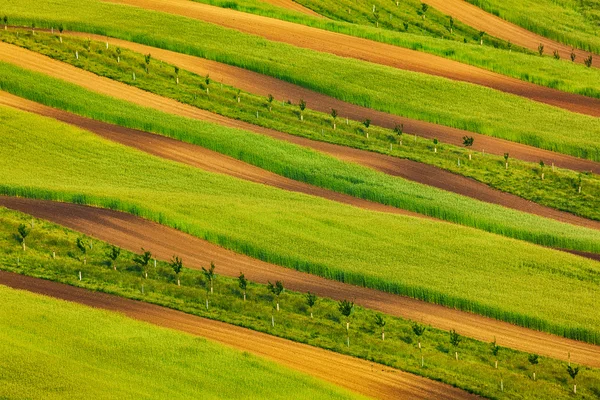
(53, 349)
(473, 372)
(559, 189)
(428, 260)
(455, 104)
(573, 22)
(303, 164)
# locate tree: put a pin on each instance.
(177, 265)
(556, 55)
(419, 330)
(176, 74)
(381, 322)
(399, 130)
(542, 165)
(573, 374)
(209, 274)
(588, 61)
(455, 340)
(506, 160)
(118, 50)
(541, 49)
(494, 348)
(334, 115)
(573, 55)
(423, 11)
(276, 289)
(435, 143)
(509, 45)
(24, 231)
(346, 308)
(243, 284)
(207, 81)
(33, 28)
(83, 247)
(270, 99)
(451, 22)
(112, 255)
(376, 16)
(142, 260)
(311, 300)
(5, 19)
(468, 141)
(367, 124)
(579, 183)
(147, 58)
(302, 106)
(534, 360)
(481, 35)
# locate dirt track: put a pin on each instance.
(132, 233)
(363, 49)
(215, 162)
(500, 28)
(36, 62)
(357, 375)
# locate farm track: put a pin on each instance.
(131, 233)
(407, 169)
(481, 20)
(367, 50)
(208, 160)
(195, 156)
(357, 375)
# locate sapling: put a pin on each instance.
(243, 284)
(61, 28)
(346, 308)
(556, 55)
(419, 330)
(334, 115)
(399, 130)
(270, 99)
(494, 348)
(33, 28)
(209, 274)
(376, 16)
(302, 106)
(542, 165)
(83, 247)
(509, 45)
(573, 374)
(451, 22)
(24, 231)
(142, 260)
(276, 289)
(573, 55)
(238, 95)
(5, 21)
(176, 74)
(435, 143)
(579, 183)
(207, 81)
(506, 160)
(367, 124)
(541, 49)
(534, 360)
(455, 340)
(118, 54)
(311, 300)
(588, 61)
(177, 265)
(112, 255)
(481, 35)
(424, 8)
(381, 322)
(468, 142)
(147, 59)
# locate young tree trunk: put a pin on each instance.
(496, 364)
(419, 344)
(382, 335)
(435, 149)
(334, 126)
(422, 361)
(115, 266)
(84, 260)
(177, 80)
(146, 274)
(272, 321)
(208, 92)
(534, 376)
(456, 355)
(178, 282)
(134, 76)
(502, 385)
(574, 389)
(76, 55)
(301, 117)
(579, 189)
(60, 38)
(23, 243)
(507, 166)
(54, 255)
(79, 275)
(542, 176)
(367, 134)
(277, 305)
(118, 59)
(207, 303)
(211, 287)
(311, 314)
(244, 295)
(470, 157)
(106, 45)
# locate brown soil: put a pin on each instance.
(36, 62)
(363, 49)
(357, 375)
(496, 26)
(132, 233)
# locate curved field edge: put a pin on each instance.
(49, 351)
(283, 61)
(302, 164)
(264, 238)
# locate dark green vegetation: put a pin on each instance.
(456, 104)
(53, 349)
(474, 371)
(307, 233)
(558, 189)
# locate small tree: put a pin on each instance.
(468, 141)
(207, 81)
(142, 260)
(346, 308)
(238, 95)
(5, 19)
(573, 55)
(509, 46)
(588, 61)
(534, 360)
(381, 322)
(82, 245)
(423, 11)
(176, 74)
(506, 160)
(276, 289)
(494, 348)
(24, 231)
(542, 165)
(33, 28)
(579, 183)
(147, 59)
(177, 265)
(367, 124)
(112, 255)
(573, 374)
(556, 55)
(481, 35)
(270, 99)
(302, 106)
(419, 330)
(376, 16)
(334, 115)
(209, 274)
(243, 284)
(435, 143)
(61, 28)
(541, 49)
(451, 23)
(311, 300)
(455, 340)
(118, 50)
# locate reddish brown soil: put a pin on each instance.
(36, 62)
(496, 26)
(357, 375)
(363, 49)
(132, 233)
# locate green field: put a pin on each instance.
(474, 372)
(53, 349)
(398, 254)
(305, 165)
(573, 22)
(455, 104)
(559, 189)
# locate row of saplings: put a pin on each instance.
(345, 307)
